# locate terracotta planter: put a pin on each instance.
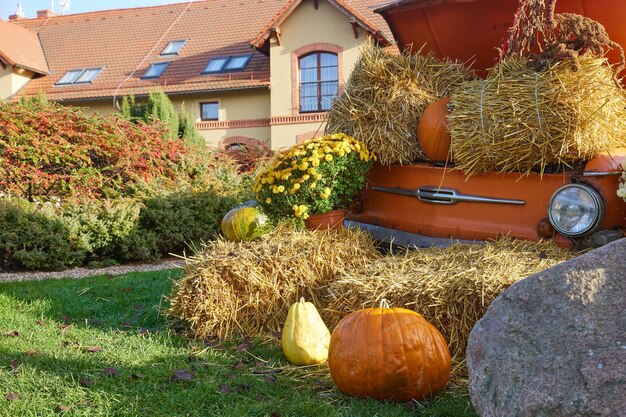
(333, 220)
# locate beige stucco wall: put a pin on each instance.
(12, 80)
(284, 136)
(306, 26)
(236, 105)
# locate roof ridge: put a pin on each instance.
(109, 11)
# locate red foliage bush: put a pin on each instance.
(248, 156)
(51, 150)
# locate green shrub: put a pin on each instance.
(187, 130)
(102, 227)
(32, 238)
(182, 219)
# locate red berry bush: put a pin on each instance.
(50, 150)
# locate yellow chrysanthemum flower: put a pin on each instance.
(268, 200)
(328, 158)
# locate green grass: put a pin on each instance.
(47, 367)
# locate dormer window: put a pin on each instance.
(155, 70)
(215, 65)
(237, 63)
(174, 47)
(227, 64)
(80, 76)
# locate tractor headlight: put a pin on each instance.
(575, 209)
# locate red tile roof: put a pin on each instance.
(20, 47)
(126, 41)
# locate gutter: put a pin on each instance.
(176, 93)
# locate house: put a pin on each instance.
(249, 70)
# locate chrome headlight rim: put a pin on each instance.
(598, 202)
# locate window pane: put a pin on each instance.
(328, 60)
(308, 75)
(329, 74)
(215, 65)
(308, 104)
(70, 76)
(309, 61)
(209, 111)
(173, 47)
(155, 70)
(238, 62)
(88, 75)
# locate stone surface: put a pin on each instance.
(554, 344)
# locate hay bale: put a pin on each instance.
(520, 120)
(386, 95)
(450, 287)
(248, 287)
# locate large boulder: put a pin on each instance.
(554, 344)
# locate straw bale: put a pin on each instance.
(248, 287)
(386, 95)
(520, 120)
(450, 287)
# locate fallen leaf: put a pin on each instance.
(12, 333)
(65, 327)
(30, 352)
(260, 363)
(94, 349)
(111, 372)
(270, 378)
(238, 366)
(181, 376)
(63, 408)
(224, 389)
(214, 342)
(243, 387)
(14, 364)
(245, 344)
(86, 382)
(278, 335)
(543, 254)
(40, 322)
(12, 396)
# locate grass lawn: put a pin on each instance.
(99, 347)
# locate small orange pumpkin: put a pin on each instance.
(432, 131)
(388, 354)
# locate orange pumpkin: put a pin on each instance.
(388, 354)
(432, 131)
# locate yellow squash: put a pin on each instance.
(305, 336)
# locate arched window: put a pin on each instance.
(319, 81)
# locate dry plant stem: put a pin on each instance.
(451, 287)
(385, 97)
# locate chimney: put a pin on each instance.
(44, 13)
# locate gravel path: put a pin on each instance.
(85, 272)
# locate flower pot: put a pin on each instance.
(331, 220)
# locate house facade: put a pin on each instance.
(249, 71)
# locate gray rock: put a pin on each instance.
(554, 344)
